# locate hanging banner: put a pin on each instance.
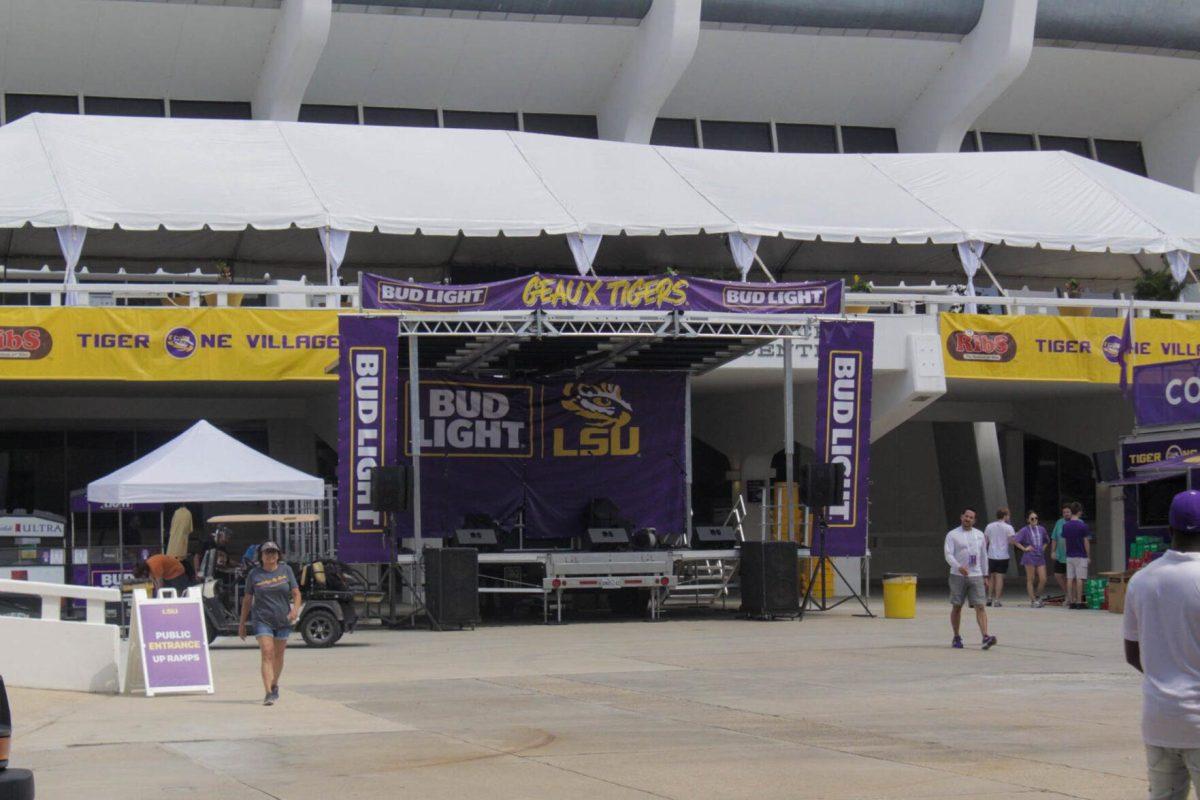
(547, 449)
(844, 370)
(563, 292)
(167, 344)
(1167, 394)
(1042, 347)
(368, 371)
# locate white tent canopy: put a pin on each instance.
(182, 174)
(200, 465)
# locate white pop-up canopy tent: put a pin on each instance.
(79, 173)
(201, 465)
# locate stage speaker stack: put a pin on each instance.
(452, 585)
(606, 539)
(822, 485)
(389, 488)
(769, 579)
(714, 537)
(478, 538)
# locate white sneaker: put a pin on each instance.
(997, 604)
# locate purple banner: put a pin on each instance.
(174, 647)
(80, 505)
(499, 447)
(561, 292)
(844, 371)
(1167, 394)
(368, 371)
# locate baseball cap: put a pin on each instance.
(1185, 512)
(272, 546)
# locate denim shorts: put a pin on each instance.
(263, 629)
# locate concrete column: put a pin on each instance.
(1172, 148)
(1113, 500)
(990, 58)
(991, 468)
(1014, 473)
(292, 441)
(665, 44)
(296, 46)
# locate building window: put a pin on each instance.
(805, 138)
(578, 125)
(674, 132)
(1006, 142)
(753, 136)
(404, 117)
(19, 105)
(123, 107)
(857, 139)
(209, 109)
(1071, 144)
(1122, 155)
(969, 143)
(482, 120)
(340, 115)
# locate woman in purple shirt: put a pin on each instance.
(1032, 541)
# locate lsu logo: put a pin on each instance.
(606, 416)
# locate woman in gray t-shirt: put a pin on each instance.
(272, 603)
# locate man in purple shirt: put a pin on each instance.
(1078, 539)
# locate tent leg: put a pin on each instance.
(121, 557)
(789, 445)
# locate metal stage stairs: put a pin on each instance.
(703, 583)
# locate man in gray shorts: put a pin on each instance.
(966, 553)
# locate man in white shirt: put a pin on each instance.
(1162, 640)
(966, 553)
(999, 535)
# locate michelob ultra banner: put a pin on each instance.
(547, 448)
(167, 344)
(1040, 347)
(368, 407)
(561, 292)
(845, 356)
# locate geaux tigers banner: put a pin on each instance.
(844, 360)
(548, 447)
(367, 410)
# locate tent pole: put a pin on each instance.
(87, 579)
(788, 439)
(687, 457)
(162, 537)
(121, 557)
(414, 422)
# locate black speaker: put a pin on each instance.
(769, 579)
(389, 488)
(606, 539)
(822, 485)
(479, 538)
(713, 537)
(452, 585)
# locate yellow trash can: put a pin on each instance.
(899, 595)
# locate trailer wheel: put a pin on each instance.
(320, 628)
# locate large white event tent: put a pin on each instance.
(79, 173)
(200, 465)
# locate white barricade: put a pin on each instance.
(48, 653)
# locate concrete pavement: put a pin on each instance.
(698, 706)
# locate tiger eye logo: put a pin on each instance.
(606, 416)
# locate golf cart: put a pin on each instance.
(327, 610)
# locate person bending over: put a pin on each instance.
(163, 571)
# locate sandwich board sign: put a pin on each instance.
(168, 645)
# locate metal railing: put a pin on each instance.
(187, 295)
(915, 303)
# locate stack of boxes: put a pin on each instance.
(1144, 550)
(1093, 592)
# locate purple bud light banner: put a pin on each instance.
(627, 293)
(1167, 394)
(844, 362)
(540, 450)
(368, 379)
